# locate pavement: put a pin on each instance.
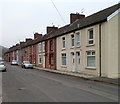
(84, 76)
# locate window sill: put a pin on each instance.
(89, 45)
(72, 47)
(78, 46)
(63, 49)
(63, 66)
(91, 68)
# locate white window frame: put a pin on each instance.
(40, 56)
(72, 39)
(62, 59)
(89, 36)
(91, 55)
(40, 47)
(43, 46)
(63, 42)
(78, 42)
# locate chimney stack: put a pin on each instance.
(37, 35)
(17, 44)
(28, 39)
(22, 42)
(51, 29)
(74, 17)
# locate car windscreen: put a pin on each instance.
(26, 62)
(14, 61)
(1, 63)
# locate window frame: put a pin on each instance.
(63, 43)
(72, 40)
(40, 56)
(51, 59)
(40, 47)
(78, 33)
(51, 45)
(89, 39)
(90, 55)
(62, 59)
(43, 46)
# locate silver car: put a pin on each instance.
(2, 67)
(26, 64)
(14, 62)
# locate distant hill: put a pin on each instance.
(2, 50)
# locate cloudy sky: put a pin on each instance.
(19, 19)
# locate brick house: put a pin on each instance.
(50, 48)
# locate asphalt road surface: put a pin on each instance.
(32, 85)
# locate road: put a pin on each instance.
(32, 85)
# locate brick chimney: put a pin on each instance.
(17, 44)
(37, 35)
(50, 29)
(22, 42)
(28, 39)
(74, 17)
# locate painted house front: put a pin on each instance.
(41, 54)
(90, 44)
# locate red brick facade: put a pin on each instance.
(50, 61)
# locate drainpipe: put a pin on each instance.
(100, 49)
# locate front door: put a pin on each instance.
(73, 62)
(78, 61)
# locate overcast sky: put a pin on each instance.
(19, 19)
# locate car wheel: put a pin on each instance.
(4, 71)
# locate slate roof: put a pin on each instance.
(93, 19)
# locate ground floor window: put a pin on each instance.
(63, 58)
(91, 59)
(51, 59)
(40, 59)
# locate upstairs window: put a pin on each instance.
(51, 45)
(46, 46)
(90, 37)
(72, 40)
(78, 39)
(40, 47)
(63, 42)
(43, 46)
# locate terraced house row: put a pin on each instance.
(86, 45)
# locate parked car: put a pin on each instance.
(26, 64)
(2, 67)
(14, 62)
